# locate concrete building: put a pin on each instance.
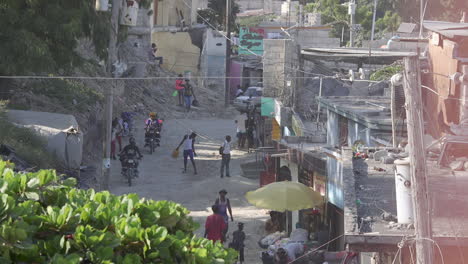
(213, 59)
(173, 15)
(365, 119)
(446, 94)
(172, 30)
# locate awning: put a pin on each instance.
(276, 130)
(268, 106)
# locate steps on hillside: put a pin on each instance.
(252, 169)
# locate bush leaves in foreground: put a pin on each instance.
(46, 220)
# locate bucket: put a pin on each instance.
(102, 5)
(403, 191)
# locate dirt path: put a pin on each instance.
(161, 177)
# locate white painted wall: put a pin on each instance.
(215, 43)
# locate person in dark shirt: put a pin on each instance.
(130, 151)
(152, 54)
(237, 243)
(188, 94)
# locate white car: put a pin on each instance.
(251, 97)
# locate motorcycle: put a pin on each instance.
(129, 169)
(152, 139)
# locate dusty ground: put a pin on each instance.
(161, 177)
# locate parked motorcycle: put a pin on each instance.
(130, 169)
(153, 138)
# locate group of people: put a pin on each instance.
(188, 143)
(184, 90)
(131, 150)
(153, 126)
(245, 131)
(217, 225)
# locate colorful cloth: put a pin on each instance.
(215, 227)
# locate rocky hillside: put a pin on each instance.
(83, 98)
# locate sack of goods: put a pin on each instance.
(175, 153)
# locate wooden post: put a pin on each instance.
(464, 96)
(228, 52)
(320, 95)
(108, 93)
(419, 183)
(396, 80)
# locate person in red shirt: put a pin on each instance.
(215, 226)
(179, 86)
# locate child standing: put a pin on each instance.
(237, 243)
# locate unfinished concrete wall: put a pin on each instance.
(213, 60)
(280, 67)
(273, 67)
(250, 4)
(134, 51)
(172, 12)
(178, 52)
(317, 39)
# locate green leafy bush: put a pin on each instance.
(44, 219)
(386, 72)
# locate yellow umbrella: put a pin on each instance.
(285, 196)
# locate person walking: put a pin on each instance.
(215, 226)
(237, 243)
(225, 151)
(119, 131)
(224, 207)
(113, 139)
(179, 86)
(188, 93)
(189, 150)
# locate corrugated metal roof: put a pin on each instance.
(354, 52)
(447, 29)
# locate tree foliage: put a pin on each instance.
(44, 219)
(41, 36)
(389, 15)
(215, 14)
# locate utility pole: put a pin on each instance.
(421, 17)
(108, 93)
(228, 53)
(373, 28)
(417, 155)
(351, 12)
(395, 81)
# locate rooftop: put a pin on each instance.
(353, 55)
(447, 29)
(369, 189)
(372, 111)
(313, 158)
(355, 52)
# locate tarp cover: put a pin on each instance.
(61, 132)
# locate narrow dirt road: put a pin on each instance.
(161, 177)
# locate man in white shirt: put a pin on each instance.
(239, 91)
(225, 152)
(240, 129)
